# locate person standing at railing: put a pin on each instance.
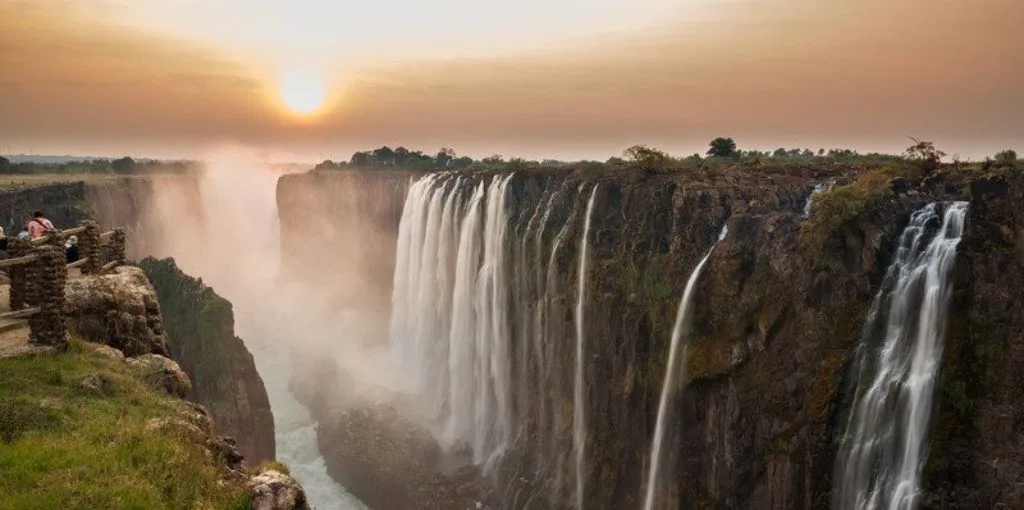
(38, 225)
(71, 249)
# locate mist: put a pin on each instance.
(222, 226)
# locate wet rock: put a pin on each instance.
(162, 374)
(119, 309)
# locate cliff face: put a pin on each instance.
(338, 232)
(778, 313)
(977, 459)
(200, 327)
(64, 205)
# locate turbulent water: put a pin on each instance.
(675, 375)
(883, 450)
(579, 426)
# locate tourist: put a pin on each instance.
(3, 240)
(71, 249)
(38, 225)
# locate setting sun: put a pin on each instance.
(302, 92)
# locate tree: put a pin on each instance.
(723, 148)
(5, 165)
(361, 159)
(125, 165)
(647, 158)
(925, 154)
(780, 153)
(1006, 158)
(445, 156)
(383, 156)
(463, 162)
(493, 159)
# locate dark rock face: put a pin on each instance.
(977, 456)
(775, 326)
(62, 203)
(372, 449)
(200, 327)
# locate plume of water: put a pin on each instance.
(675, 375)
(882, 452)
(579, 427)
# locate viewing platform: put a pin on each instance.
(32, 292)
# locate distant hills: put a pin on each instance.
(49, 159)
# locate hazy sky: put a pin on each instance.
(559, 78)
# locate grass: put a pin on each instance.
(14, 181)
(73, 434)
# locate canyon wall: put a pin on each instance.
(201, 328)
(777, 319)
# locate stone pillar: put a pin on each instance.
(18, 247)
(47, 326)
(89, 246)
(54, 237)
(119, 245)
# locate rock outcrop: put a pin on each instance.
(273, 490)
(200, 327)
(161, 373)
(119, 309)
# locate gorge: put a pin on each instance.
(505, 338)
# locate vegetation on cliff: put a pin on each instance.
(81, 430)
(200, 327)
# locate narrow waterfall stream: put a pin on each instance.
(579, 426)
(675, 376)
(884, 448)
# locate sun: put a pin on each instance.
(302, 92)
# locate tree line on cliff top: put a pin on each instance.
(721, 150)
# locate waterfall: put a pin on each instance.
(450, 326)
(818, 188)
(675, 375)
(579, 426)
(882, 452)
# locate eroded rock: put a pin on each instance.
(119, 309)
(274, 490)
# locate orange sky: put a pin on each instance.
(93, 77)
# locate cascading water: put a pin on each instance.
(579, 427)
(882, 452)
(675, 375)
(818, 188)
(450, 324)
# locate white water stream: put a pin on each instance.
(884, 449)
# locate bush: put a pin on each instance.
(647, 158)
(1007, 158)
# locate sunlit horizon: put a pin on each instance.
(169, 79)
